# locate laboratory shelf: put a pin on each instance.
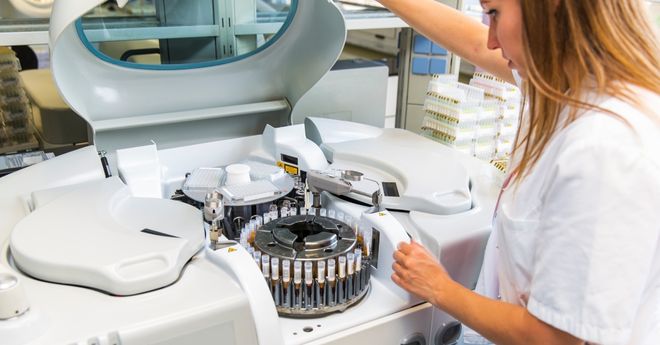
(119, 28)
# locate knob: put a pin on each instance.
(13, 301)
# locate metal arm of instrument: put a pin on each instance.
(319, 182)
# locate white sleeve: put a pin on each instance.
(598, 235)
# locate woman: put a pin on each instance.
(577, 229)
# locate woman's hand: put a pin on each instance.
(418, 272)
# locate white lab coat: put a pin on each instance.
(577, 242)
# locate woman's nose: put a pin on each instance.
(493, 43)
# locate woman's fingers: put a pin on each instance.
(400, 258)
(397, 280)
(418, 248)
(404, 247)
(398, 269)
(401, 282)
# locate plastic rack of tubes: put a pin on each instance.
(480, 119)
(315, 262)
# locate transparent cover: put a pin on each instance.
(169, 32)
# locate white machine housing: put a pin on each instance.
(26, 8)
(90, 273)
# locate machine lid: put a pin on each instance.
(99, 236)
(275, 76)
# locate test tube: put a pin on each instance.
(303, 211)
(297, 272)
(309, 285)
(367, 233)
(243, 240)
(265, 266)
(358, 282)
(266, 217)
(286, 278)
(252, 232)
(259, 220)
(286, 271)
(320, 268)
(332, 213)
(284, 212)
(275, 285)
(350, 257)
(293, 211)
(309, 277)
(275, 269)
(356, 226)
(332, 283)
(331, 270)
(342, 267)
(297, 283)
(257, 258)
(341, 284)
(350, 286)
(274, 212)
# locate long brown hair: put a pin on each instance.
(609, 44)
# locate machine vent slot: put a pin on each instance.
(157, 233)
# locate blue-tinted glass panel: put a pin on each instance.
(183, 33)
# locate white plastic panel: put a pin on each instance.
(100, 91)
(93, 236)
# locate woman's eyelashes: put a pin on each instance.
(492, 13)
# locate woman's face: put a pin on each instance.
(506, 30)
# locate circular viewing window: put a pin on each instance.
(183, 34)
